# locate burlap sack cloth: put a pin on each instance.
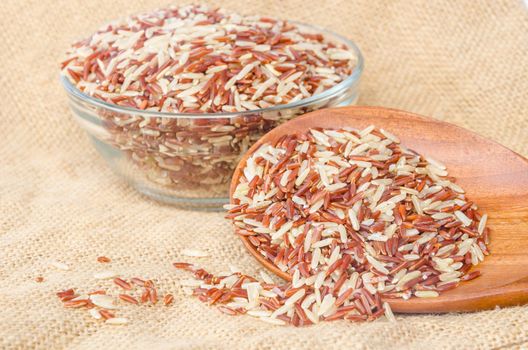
(461, 61)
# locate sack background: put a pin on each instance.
(461, 61)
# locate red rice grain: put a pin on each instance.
(106, 314)
(153, 296)
(103, 259)
(168, 299)
(145, 296)
(122, 283)
(128, 298)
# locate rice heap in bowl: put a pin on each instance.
(351, 216)
(195, 59)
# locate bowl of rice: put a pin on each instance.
(174, 97)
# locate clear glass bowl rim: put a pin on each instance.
(347, 82)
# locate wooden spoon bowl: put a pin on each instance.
(494, 177)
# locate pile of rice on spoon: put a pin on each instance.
(354, 218)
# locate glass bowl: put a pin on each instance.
(187, 159)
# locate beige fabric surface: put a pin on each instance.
(460, 61)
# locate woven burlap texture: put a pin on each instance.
(460, 61)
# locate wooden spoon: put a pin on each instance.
(494, 177)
